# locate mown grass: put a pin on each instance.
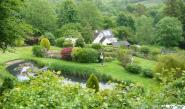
(112, 68)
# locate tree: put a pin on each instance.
(68, 12)
(126, 20)
(89, 14)
(176, 8)
(169, 31)
(11, 26)
(108, 22)
(144, 30)
(70, 30)
(40, 14)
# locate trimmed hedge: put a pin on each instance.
(85, 55)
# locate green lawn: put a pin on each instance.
(112, 68)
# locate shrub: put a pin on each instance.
(108, 59)
(97, 46)
(147, 73)
(67, 43)
(93, 83)
(145, 50)
(7, 84)
(19, 42)
(45, 43)
(66, 53)
(134, 48)
(133, 68)
(50, 37)
(31, 40)
(60, 42)
(124, 57)
(80, 42)
(170, 67)
(38, 51)
(85, 55)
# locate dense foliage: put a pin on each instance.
(38, 51)
(85, 55)
(66, 53)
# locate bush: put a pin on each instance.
(145, 50)
(93, 83)
(66, 54)
(38, 51)
(19, 42)
(32, 40)
(85, 55)
(133, 68)
(124, 57)
(170, 67)
(148, 73)
(7, 84)
(45, 43)
(80, 42)
(50, 37)
(108, 59)
(96, 46)
(60, 42)
(67, 43)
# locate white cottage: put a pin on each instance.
(104, 37)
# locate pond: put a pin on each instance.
(23, 70)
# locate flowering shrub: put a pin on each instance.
(66, 53)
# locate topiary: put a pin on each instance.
(80, 42)
(45, 43)
(38, 51)
(93, 83)
(133, 68)
(60, 42)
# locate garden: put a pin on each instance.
(92, 54)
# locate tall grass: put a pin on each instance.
(77, 71)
